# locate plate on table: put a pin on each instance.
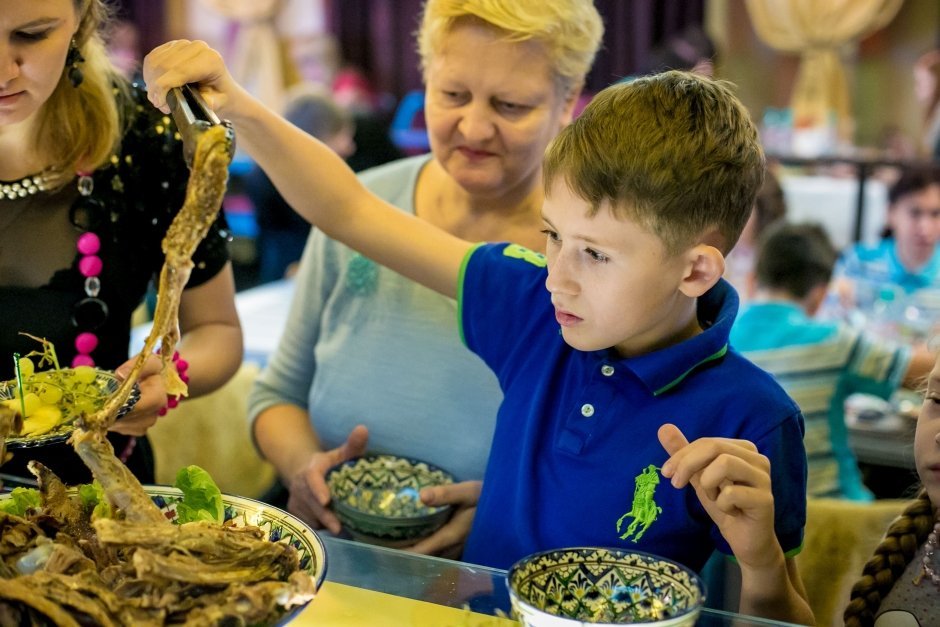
(72, 391)
(275, 524)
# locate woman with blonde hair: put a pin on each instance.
(90, 178)
(372, 360)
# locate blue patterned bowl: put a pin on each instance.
(376, 498)
(277, 525)
(598, 586)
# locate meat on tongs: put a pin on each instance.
(209, 145)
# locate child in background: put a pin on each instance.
(907, 259)
(899, 583)
(645, 192)
(819, 363)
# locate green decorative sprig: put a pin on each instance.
(19, 383)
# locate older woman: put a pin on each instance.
(366, 347)
(90, 178)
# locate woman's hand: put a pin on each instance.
(181, 61)
(448, 541)
(152, 397)
(309, 496)
(732, 481)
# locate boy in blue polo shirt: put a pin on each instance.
(627, 420)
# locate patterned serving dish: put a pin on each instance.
(376, 498)
(598, 586)
(276, 524)
(104, 384)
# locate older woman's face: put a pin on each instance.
(34, 41)
(491, 108)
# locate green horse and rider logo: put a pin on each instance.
(644, 510)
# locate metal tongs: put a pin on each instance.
(193, 117)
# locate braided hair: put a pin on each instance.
(904, 537)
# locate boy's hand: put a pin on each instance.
(309, 496)
(178, 62)
(448, 541)
(732, 481)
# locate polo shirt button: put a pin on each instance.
(607, 370)
(587, 410)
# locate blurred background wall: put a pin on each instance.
(375, 36)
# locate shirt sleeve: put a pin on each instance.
(875, 366)
(289, 374)
(783, 446)
(503, 304)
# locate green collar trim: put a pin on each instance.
(460, 279)
(718, 355)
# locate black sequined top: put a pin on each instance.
(130, 208)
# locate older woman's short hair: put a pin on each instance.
(570, 30)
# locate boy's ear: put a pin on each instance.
(704, 266)
(571, 100)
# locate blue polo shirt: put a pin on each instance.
(879, 264)
(576, 437)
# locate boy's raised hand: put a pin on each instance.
(732, 481)
(178, 62)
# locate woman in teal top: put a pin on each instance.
(370, 360)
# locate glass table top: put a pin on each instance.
(475, 590)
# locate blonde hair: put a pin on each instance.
(570, 30)
(81, 126)
(675, 152)
(902, 540)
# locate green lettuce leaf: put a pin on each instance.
(202, 499)
(92, 496)
(21, 500)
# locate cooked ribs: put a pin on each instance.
(60, 567)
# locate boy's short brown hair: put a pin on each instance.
(676, 152)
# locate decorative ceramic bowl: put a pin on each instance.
(376, 498)
(75, 399)
(276, 524)
(598, 586)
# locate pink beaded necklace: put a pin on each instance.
(90, 265)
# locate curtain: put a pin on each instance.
(378, 36)
(816, 30)
(255, 60)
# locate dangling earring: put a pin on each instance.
(72, 60)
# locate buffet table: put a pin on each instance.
(368, 585)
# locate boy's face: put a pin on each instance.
(926, 445)
(611, 281)
(915, 222)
